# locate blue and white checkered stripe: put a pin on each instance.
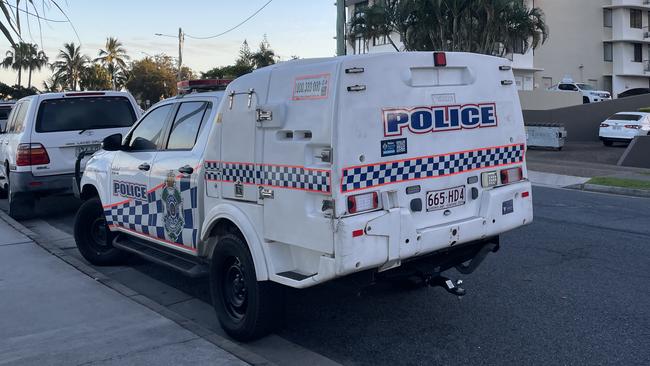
(147, 217)
(281, 176)
(363, 177)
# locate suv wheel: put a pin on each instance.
(93, 238)
(21, 205)
(247, 309)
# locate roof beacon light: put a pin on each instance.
(189, 86)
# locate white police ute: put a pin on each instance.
(396, 165)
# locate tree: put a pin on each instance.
(16, 59)
(152, 78)
(10, 23)
(95, 77)
(53, 84)
(264, 56)
(15, 92)
(70, 65)
(493, 27)
(36, 60)
(244, 64)
(114, 59)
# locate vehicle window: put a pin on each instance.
(87, 113)
(187, 124)
(585, 87)
(569, 87)
(625, 117)
(18, 124)
(12, 117)
(4, 112)
(147, 135)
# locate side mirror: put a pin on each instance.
(112, 142)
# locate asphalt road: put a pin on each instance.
(571, 289)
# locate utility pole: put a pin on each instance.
(340, 27)
(181, 41)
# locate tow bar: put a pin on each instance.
(447, 284)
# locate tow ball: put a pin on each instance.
(450, 286)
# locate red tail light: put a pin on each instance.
(634, 127)
(511, 175)
(31, 154)
(363, 202)
(604, 125)
(440, 59)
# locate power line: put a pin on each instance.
(36, 15)
(235, 27)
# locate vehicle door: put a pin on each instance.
(4, 140)
(173, 182)
(130, 202)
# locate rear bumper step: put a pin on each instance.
(189, 266)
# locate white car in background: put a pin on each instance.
(44, 135)
(5, 108)
(624, 127)
(589, 93)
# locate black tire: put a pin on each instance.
(585, 100)
(608, 142)
(21, 205)
(92, 236)
(4, 189)
(247, 309)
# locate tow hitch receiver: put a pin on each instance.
(447, 284)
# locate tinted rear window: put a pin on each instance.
(4, 112)
(89, 113)
(625, 117)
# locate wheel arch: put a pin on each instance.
(230, 219)
(88, 191)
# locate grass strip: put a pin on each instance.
(620, 182)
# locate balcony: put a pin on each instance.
(635, 4)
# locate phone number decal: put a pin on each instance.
(311, 87)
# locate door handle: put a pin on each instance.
(186, 169)
(144, 166)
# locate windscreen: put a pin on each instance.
(87, 113)
(4, 112)
(585, 87)
(625, 117)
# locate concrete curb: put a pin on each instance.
(188, 324)
(613, 190)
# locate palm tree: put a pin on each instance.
(114, 59)
(35, 61)
(265, 56)
(70, 65)
(493, 27)
(95, 77)
(16, 59)
(53, 84)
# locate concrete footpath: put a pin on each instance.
(53, 314)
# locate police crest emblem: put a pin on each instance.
(173, 205)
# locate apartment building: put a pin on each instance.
(605, 43)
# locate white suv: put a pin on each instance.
(45, 134)
(589, 93)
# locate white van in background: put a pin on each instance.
(44, 135)
(5, 109)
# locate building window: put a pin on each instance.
(518, 46)
(607, 18)
(547, 82)
(638, 52)
(607, 46)
(380, 41)
(636, 19)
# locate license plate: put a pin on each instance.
(86, 148)
(617, 127)
(445, 198)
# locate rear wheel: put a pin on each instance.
(94, 239)
(21, 204)
(608, 142)
(247, 309)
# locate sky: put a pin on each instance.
(304, 28)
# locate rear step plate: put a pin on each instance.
(188, 266)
